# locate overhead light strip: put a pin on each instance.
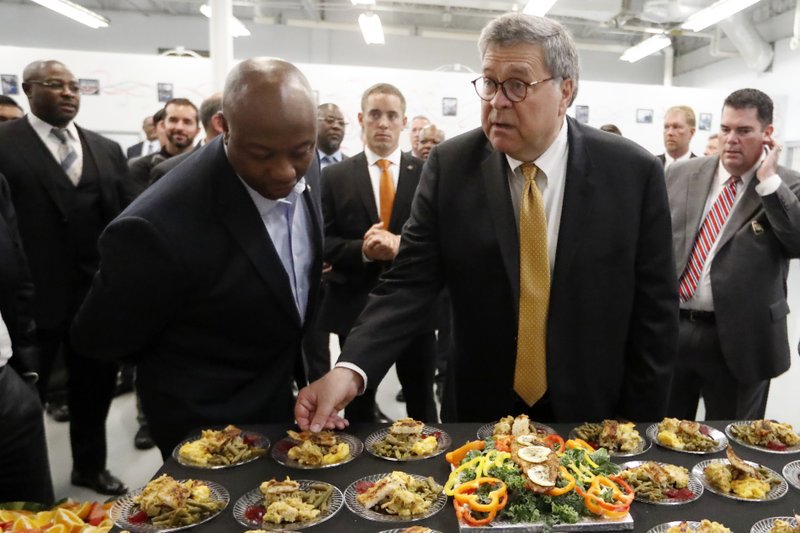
(538, 7)
(645, 48)
(371, 28)
(238, 29)
(714, 13)
(76, 12)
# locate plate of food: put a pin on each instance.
(411, 529)
(223, 448)
(407, 440)
(739, 479)
(289, 504)
(777, 524)
(764, 435)
(704, 526)
(509, 425)
(395, 497)
(661, 483)
(791, 472)
(166, 504)
(687, 436)
(309, 450)
(621, 439)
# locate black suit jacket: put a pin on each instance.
(158, 171)
(135, 150)
(613, 315)
(192, 289)
(44, 217)
(349, 210)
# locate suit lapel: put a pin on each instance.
(40, 160)
(240, 216)
(495, 180)
(363, 185)
(406, 187)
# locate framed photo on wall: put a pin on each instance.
(164, 92)
(644, 116)
(704, 122)
(449, 107)
(10, 83)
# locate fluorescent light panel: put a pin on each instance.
(371, 28)
(363, 2)
(538, 7)
(645, 48)
(76, 12)
(714, 13)
(237, 28)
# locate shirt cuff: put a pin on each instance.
(357, 370)
(769, 185)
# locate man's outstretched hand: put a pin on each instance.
(318, 404)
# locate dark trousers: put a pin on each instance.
(701, 370)
(24, 466)
(415, 370)
(90, 391)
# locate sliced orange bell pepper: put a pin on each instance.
(466, 493)
(558, 491)
(456, 456)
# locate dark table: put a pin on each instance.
(737, 515)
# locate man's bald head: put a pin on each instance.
(429, 136)
(53, 92)
(269, 123)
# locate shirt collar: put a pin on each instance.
(372, 157)
(265, 205)
(549, 160)
(685, 157)
(43, 128)
(723, 175)
(336, 156)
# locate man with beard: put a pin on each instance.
(181, 127)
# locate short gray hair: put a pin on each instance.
(559, 50)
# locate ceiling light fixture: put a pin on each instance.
(645, 48)
(363, 2)
(76, 12)
(371, 28)
(538, 7)
(238, 29)
(714, 13)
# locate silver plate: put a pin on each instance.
(694, 485)
(444, 442)
(590, 525)
(402, 529)
(255, 497)
(729, 433)
(774, 493)
(791, 472)
(765, 525)
(640, 449)
(280, 452)
(124, 507)
(261, 442)
(717, 435)
(354, 505)
(663, 528)
(485, 431)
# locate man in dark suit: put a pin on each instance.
(24, 463)
(366, 199)
(9, 109)
(66, 184)
(736, 225)
(207, 277)
(149, 145)
(583, 328)
(679, 128)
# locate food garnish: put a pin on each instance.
(66, 516)
(740, 478)
(767, 434)
(657, 482)
(399, 494)
(406, 440)
(217, 448)
(318, 449)
(685, 435)
(706, 526)
(612, 435)
(165, 502)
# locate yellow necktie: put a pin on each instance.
(386, 192)
(530, 370)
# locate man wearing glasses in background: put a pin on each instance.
(554, 240)
(66, 185)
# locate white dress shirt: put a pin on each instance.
(668, 159)
(293, 247)
(703, 299)
(44, 131)
(5, 343)
(150, 147)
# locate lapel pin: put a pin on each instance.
(757, 228)
(410, 167)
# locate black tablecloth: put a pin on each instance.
(737, 515)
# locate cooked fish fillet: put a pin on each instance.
(407, 426)
(521, 426)
(380, 490)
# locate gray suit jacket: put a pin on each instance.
(748, 272)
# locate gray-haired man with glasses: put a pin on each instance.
(554, 240)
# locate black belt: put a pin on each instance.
(698, 316)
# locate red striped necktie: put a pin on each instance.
(709, 231)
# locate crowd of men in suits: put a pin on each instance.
(569, 266)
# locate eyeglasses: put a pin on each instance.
(330, 121)
(58, 85)
(514, 89)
